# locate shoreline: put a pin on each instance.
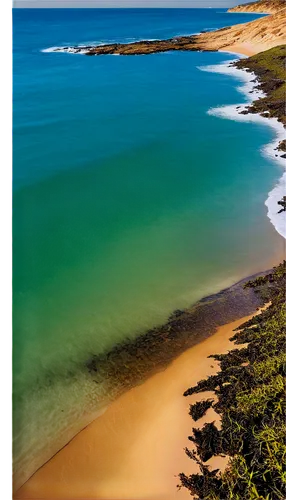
(187, 42)
(239, 49)
(106, 460)
(240, 112)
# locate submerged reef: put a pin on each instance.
(134, 360)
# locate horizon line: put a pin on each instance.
(119, 8)
(17, 5)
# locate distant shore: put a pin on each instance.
(247, 39)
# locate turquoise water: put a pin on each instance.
(129, 199)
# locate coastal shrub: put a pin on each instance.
(207, 441)
(269, 67)
(250, 393)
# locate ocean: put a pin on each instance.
(131, 198)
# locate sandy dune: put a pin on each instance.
(249, 38)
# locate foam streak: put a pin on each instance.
(235, 112)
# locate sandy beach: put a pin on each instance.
(136, 449)
(245, 49)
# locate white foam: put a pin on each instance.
(247, 77)
(278, 220)
(233, 112)
(50, 49)
(67, 50)
(84, 48)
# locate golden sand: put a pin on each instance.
(243, 48)
(136, 449)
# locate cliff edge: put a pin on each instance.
(262, 6)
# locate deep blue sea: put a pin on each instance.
(130, 200)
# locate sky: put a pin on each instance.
(128, 3)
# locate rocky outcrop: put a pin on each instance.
(262, 6)
(137, 48)
(282, 203)
(282, 146)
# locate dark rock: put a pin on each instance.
(282, 203)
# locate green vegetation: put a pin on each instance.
(269, 66)
(250, 390)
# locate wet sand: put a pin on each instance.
(136, 449)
